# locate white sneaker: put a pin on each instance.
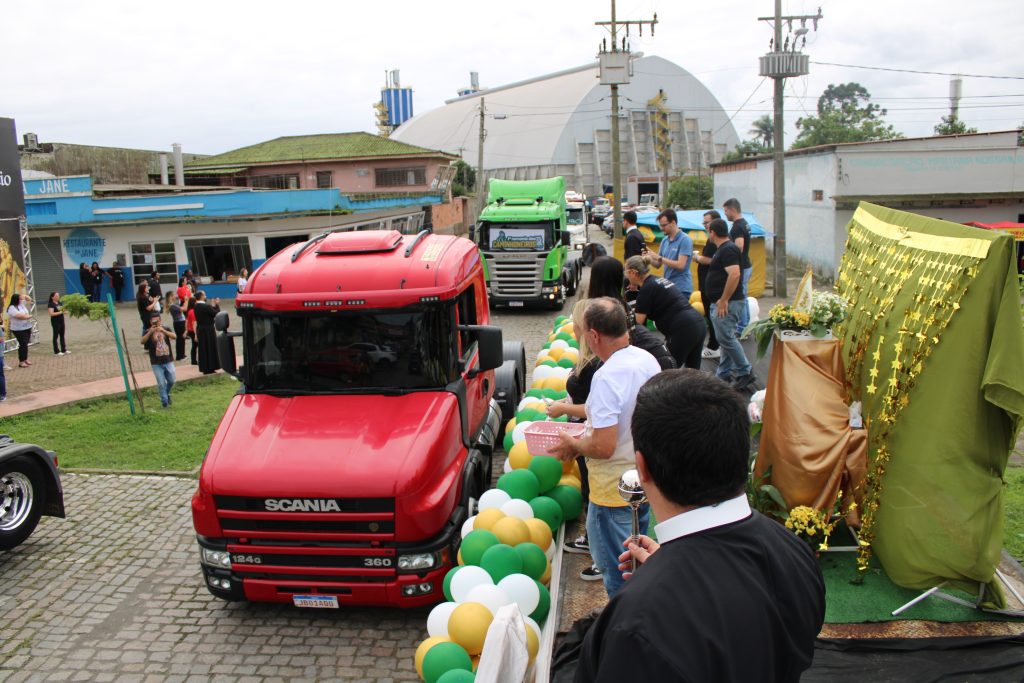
(711, 353)
(67, 353)
(60, 353)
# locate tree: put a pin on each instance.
(465, 179)
(763, 131)
(951, 125)
(747, 148)
(691, 192)
(845, 114)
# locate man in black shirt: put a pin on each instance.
(728, 595)
(703, 260)
(740, 235)
(157, 342)
(661, 301)
(724, 290)
(634, 244)
(154, 285)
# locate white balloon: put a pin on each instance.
(506, 467)
(517, 508)
(491, 597)
(466, 579)
(517, 433)
(543, 372)
(522, 590)
(530, 623)
(467, 526)
(754, 309)
(542, 353)
(560, 344)
(527, 400)
(437, 621)
(561, 372)
(494, 498)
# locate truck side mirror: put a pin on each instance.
(472, 232)
(490, 348)
(226, 344)
(565, 237)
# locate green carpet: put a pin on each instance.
(848, 601)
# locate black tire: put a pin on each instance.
(22, 497)
(513, 350)
(570, 281)
(508, 393)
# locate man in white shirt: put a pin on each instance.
(728, 595)
(607, 442)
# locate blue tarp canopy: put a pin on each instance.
(693, 220)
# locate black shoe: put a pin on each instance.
(591, 573)
(578, 545)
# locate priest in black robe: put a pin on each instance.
(728, 595)
(206, 334)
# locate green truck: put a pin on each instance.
(523, 238)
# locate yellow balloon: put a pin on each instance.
(519, 457)
(468, 626)
(555, 353)
(542, 359)
(571, 354)
(532, 643)
(567, 466)
(511, 530)
(567, 329)
(538, 406)
(698, 306)
(459, 559)
(551, 337)
(430, 642)
(576, 470)
(510, 427)
(486, 519)
(570, 480)
(476, 662)
(545, 578)
(540, 532)
(696, 298)
(556, 383)
(538, 384)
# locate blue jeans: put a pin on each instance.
(3, 379)
(607, 528)
(164, 381)
(745, 318)
(733, 359)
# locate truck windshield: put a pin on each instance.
(350, 352)
(517, 236)
(574, 216)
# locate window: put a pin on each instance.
(401, 177)
(324, 179)
(218, 257)
(150, 256)
(276, 182)
(818, 195)
(466, 311)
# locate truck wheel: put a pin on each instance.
(517, 352)
(507, 392)
(570, 282)
(22, 495)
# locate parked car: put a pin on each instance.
(377, 353)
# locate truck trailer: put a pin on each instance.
(339, 476)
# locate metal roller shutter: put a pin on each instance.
(47, 267)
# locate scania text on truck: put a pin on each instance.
(523, 237)
(336, 477)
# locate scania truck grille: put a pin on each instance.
(325, 519)
(516, 277)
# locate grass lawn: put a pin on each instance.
(102, 433)
(1013, 533)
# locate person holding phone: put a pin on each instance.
(156, 340)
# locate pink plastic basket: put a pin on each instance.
(540, 436)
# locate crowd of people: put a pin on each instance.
(191, 318)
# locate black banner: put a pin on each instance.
(12, 207)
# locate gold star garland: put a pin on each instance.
(875, 269)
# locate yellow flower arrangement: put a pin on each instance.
(811, 525)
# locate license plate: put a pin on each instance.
(515, 304)
(316, 601)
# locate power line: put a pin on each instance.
(916, 71)
(729, 120)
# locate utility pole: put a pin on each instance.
(784, 61)
(615, 69)
(481, 186)
(956, 85)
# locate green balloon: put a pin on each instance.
(442, 658)
(548, 471)
(565, 336)
(574, 344)
(550, 363)
(566, 363)
(535, 393)
(570, 500)
(534, 559)
(539, 614)
(548, 510)
(559, 321)
(475, 544)
(520, 484)
(501, 560)
(530, 415)
(507, 442)
(554, 394)
(457, 676)
(447, 583)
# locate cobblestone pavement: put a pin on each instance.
(114, 592)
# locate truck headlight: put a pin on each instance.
(416, 562)
(215, 558)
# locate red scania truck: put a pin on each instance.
(372, 395)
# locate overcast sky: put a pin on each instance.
(218, 75)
